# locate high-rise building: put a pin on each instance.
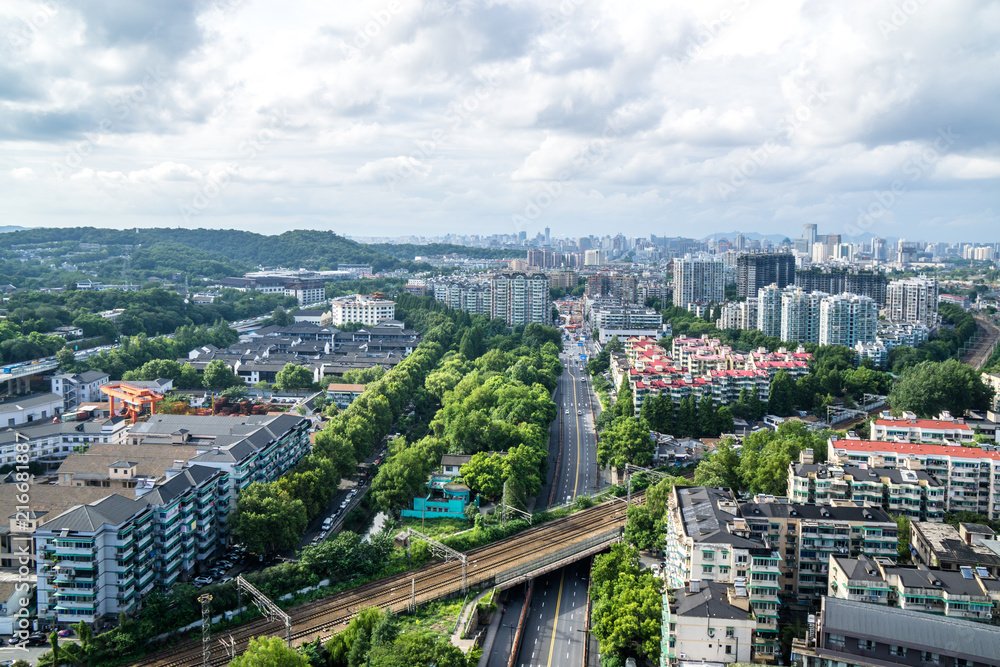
(698, 278)
(847, 319)
(834, 280)
(913, 300)
(520, 298)
(594, 257)
(769, 310)
(809, 235)
(755, 270)
(878, 249)
(800, 315)
(739, 315)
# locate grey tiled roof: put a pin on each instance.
(970, 640)
(113, 510)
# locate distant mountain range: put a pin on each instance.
(11, 228)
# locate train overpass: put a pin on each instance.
(526, 555)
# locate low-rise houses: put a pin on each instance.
(18, 410)
(77, 388)
(910, 429)
(702, 366)
(970, 593)
(970, 475)
(943, 546)
(707, 622)
(913, 493)
(849, 633)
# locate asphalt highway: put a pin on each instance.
(554, 630)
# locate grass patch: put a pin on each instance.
(438, 617)
(435, 528)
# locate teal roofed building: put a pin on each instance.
(446, 497)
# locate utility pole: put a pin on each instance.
(206, 629)
(506, 508)
(268, 609)
(439, 549)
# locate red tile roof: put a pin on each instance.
(915, 449)
(923, 423)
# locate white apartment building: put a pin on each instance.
(970, 475)
(361, 308)
(913, 300)
(79, 387)
(739, 315)
(48, 443)
(908, 428)
(769, 310)
(311, 291)
(847, 319)
(698, 278)
(800, 315)
(520, 298)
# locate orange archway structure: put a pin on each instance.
(132, 397)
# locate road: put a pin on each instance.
(577, 466)
(554, 631)
(510, 613)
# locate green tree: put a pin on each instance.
(416, 648)
(269, 652)
(781, 396)
(292, 377)
(624, 406)
(267, 519)
(720, 468)
(220, 376)
(627, 605)
(687, 417)
(623, 442)
(66, 360)
(236, 393)
(724, 421)
(642, 530)
(930, 387)
(903, 545)
(706, 416)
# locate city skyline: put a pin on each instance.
(392, 118)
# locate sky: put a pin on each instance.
(395, 117)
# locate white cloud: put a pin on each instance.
(455, 112)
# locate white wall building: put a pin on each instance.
(698, 278)
(847, 319)
(913, 300)
(19, 410)
(361, 308)
(800, 315)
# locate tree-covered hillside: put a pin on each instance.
(212, 253)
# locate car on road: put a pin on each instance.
(225, 580)
(579, 412)
(328, 523)
(567, 412)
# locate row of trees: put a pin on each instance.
(272, 516)
(494, 398)
(628, 606)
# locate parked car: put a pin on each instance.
(204, 581)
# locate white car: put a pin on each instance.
(204, 581)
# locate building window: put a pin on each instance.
(836, 641)
(729, 649)
(866, 645)
(899, 651)
(930, 658)
(730, 632)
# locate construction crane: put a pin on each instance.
(133, 397)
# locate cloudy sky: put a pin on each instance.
(386, 117)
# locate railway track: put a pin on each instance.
(980, 354)
(428, 582)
